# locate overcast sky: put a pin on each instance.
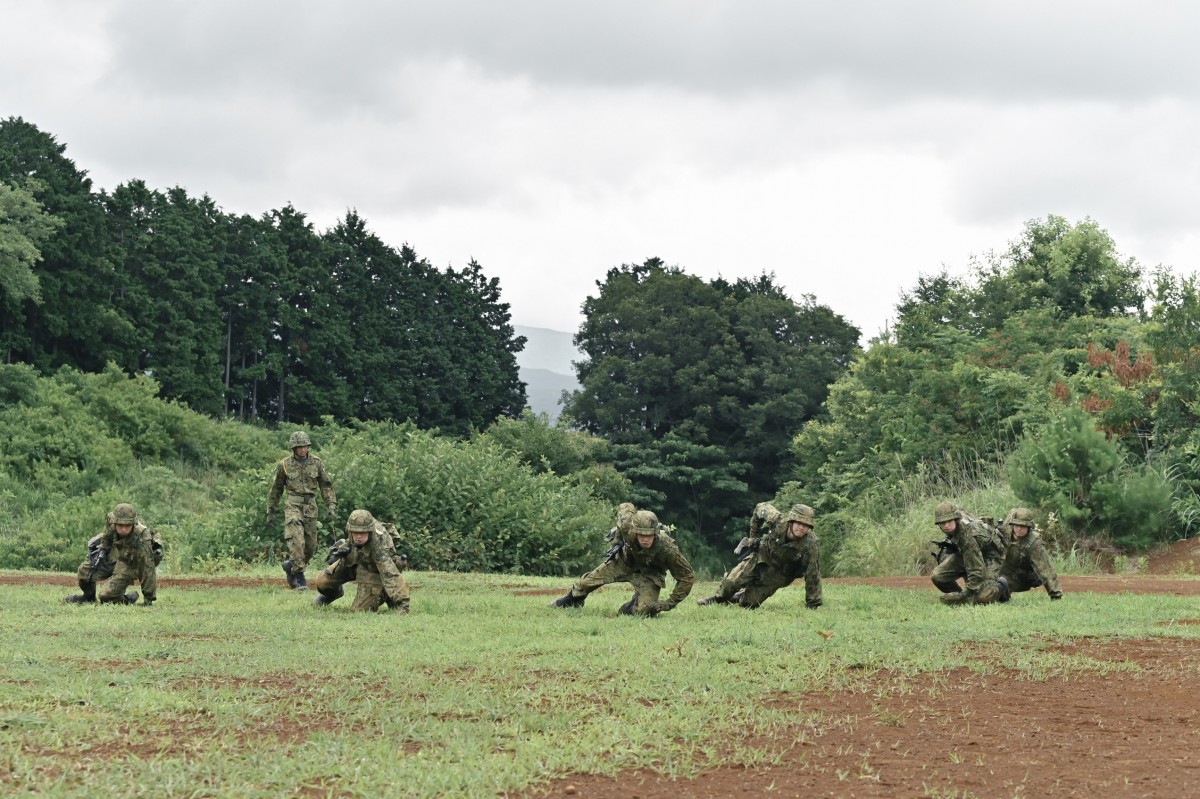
(845, 146)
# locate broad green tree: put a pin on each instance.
(703, 384)
(24, 228)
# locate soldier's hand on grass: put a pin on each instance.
(661, 607)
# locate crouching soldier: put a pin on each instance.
(126, 552)
(366, 556)
(786, 550)
(1026, 563)
(973, 551)
(642, 561)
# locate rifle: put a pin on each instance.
(945, 548)
(614, 552)
(336, 553)
(748, 545)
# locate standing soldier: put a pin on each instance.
(975, 550)
(126, 552)
(366, 556)
(787, 550)
(1026, 562)
(643, 561)
(300, 476)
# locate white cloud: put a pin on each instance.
(846, 147)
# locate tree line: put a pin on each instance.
(254, 317)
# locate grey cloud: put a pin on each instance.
(350, 52)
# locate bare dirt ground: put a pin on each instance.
(994, 735)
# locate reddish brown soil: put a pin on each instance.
(975, 736)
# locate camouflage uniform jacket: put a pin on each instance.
(664, 556)
(302, 479)
(981, 548)
(134, 550)
(1027, 556)
(375, 561)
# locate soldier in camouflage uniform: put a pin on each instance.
(126, 552)
(643, 561)
(366, 556)
(300, 477)
(1026, 563)
(787, 550)
(975, 554)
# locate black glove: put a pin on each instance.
(270, 518)
(157, 550)
(337, 552)
(661, 607)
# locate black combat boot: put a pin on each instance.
(322, 599)
(568, 601)
(148, 599)
(1005, 593)
(300, 584)
(287, 570)
(127, 599)
(716, 599)
(89, 593)
(628, 607)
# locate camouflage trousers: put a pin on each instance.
(950, 570)
(756, 580)
(123, 575)
(647, 585)
(369, 593)
(300, 529)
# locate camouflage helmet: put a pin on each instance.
(644, 522)
(299, 439)
(360, 521)
(801, 513)
(1021, 516)
(124, 514)
(945, 512)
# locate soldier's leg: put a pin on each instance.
(368, 595)
(766, 582)
(310, 535)
(86, 584)
(329, 582)
(1021, 581)
(733, 582)
(149, 582)
(114, 589)
(293, 536)
(647, 590)
(946, 575)
(610, 571)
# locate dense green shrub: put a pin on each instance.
(1071, 468)
(465, 506)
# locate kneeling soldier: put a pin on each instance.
(366, 556)
(643, 561)
(787, 550)
(127, 551)
(1026, 564)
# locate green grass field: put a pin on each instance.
(254, 692)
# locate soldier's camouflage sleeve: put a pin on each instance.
(277, 487)
(326, 486)
(1043, 569)
(389, 574)
(681, 570)
(812, 575)
(972, 556)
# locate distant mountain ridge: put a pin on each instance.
(545, 366)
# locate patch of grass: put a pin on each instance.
(255, 692)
